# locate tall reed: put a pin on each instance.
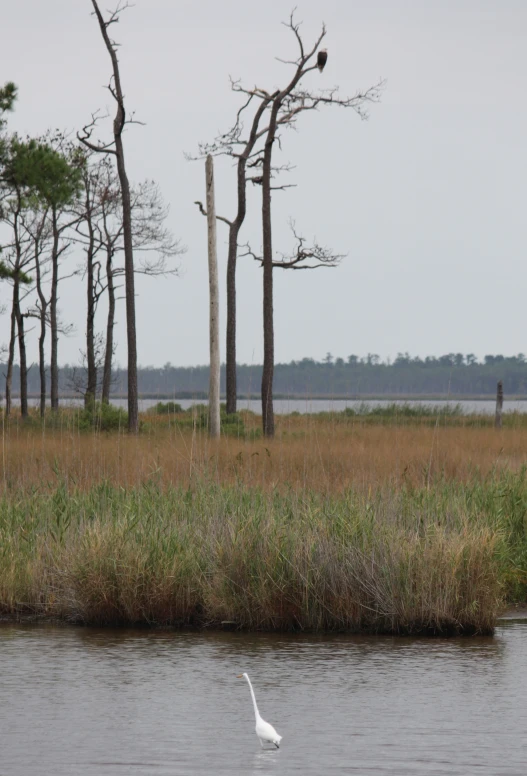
(259, 560)
(335, 524)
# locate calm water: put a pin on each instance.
(283, 406)
(86, 701)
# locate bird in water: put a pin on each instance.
(265, 732)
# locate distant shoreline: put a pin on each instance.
(302, 396)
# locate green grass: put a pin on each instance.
(418, 414)
(442, 559)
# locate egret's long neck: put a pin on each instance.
(256, 712)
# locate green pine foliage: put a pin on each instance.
(35, 169)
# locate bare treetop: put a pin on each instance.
(303, 58)
(113, 17)
(122, 119)
(292, 100)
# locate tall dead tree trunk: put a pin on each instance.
(53, 313)
(23, 362)
(42, 363)
(267, 263)
(133, 405)
(228, 145)
(108, 354)
(214, 297)
(11, 351)
(268, 318)
(91, 382)
(43, 308)
(287, 104)
(234, 231)
(118, 125)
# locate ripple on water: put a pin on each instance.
(102, 702)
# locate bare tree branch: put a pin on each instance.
(84, 136)
(204, 213)
(322, 256)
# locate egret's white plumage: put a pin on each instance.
(265, 732)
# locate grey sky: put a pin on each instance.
(427, 198)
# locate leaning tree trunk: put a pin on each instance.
(53, 313)
(234, 230)
(11, 351)
(268, 322)
(108, 355)
(23, 363)
(214, 325)
(118, 125)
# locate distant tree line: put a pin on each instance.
(451, 374)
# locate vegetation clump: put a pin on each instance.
(409, 562)
(397, 528)
(167, 408)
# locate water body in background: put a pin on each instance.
(285, 406)
(89, 702)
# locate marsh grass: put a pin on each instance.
(309, 452)
(437, 561)
(334, 525)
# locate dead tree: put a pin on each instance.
(214, 298)
(89, 211)
(245, 150)
(80, 378)
(60, 244)
(101, 233)
(154, 247)
(117, 149)
(275, 109)
(284, 108)
(241, 148)
(38, 229)
(19, 261)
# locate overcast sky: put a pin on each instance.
(427, 198)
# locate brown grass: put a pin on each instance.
(331, 525)
(306, 453)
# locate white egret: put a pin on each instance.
(265, 732)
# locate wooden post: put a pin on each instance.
(499, 405)
(214, 330)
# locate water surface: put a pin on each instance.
(285, 406)
(99, 702)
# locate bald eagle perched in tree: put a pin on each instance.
(322, 58)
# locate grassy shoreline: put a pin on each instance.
(441, 561)
(334, 525)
